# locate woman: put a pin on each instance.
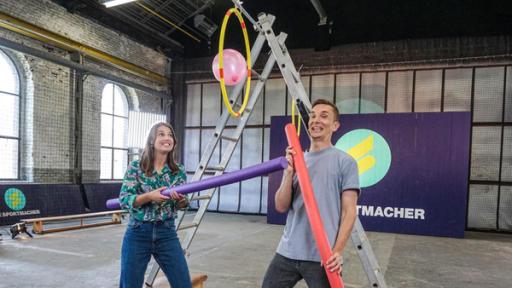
(151, 229)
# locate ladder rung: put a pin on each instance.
(215, 168)
(255, 73)
(237, 107)
(232, 139)
(187, 226)
(201, 197)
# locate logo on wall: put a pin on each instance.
(15, 199)
(371, 151)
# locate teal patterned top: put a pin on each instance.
(135, 182)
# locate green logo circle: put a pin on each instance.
(15, 199)
(371, 151)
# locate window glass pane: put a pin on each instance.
(9, 75)
(482, 206)
(211, 104)
(120, 163)
(505, 217)
(9, 115)
(373, 89)
(400, 91)
(508, 96)
(264, 195)
(485, 153)
(107, 100)
(106, 164)
(457, 89)
(106, 130)
(488, 94)
(322, 87)
(120, 102)
(8, 158)
(506, 169)
(266, 144)
(252, 154)
(191, 149)
(257, 113)
(275, 98)
(193, 113)
(120, 132)
(347, 93)
(228, 197)
(252, 146)
(306, 82)
(427, 93)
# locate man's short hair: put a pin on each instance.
(329, 103)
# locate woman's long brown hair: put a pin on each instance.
(148, 156)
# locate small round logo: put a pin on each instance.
(15, 199)
(371, 151)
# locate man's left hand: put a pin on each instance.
(335, 262)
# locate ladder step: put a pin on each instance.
(258, 75)
(232, 139)
(201, 197)
(237, 106)
(215, 168)
(187, 226)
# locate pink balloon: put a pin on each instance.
(235, 67)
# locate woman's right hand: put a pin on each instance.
(156, 195)
(290, 152)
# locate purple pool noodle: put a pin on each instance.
(221, 180)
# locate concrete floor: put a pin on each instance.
(234, 251)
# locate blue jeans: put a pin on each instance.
(143, 239)
(285, 273)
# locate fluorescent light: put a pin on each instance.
(112, 3)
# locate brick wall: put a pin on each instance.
(376, 54)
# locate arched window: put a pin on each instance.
(114, 131)
(9, 118)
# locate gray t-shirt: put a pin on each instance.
(331, 171)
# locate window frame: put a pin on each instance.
(113, 116)
(19, 95)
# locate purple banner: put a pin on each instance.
(26, 201)
(413, 169)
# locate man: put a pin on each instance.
(335, 180)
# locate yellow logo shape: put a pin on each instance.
(15, 200)
(366, 146)
(364, 163)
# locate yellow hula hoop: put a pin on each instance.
(293, 117)
(221, 64)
